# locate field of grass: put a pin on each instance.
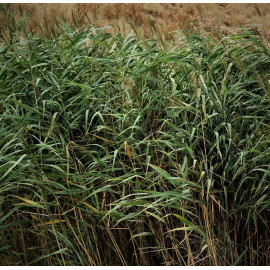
(131, 149)
(213, 17)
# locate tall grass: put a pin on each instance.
(225, 18)
(128, 150)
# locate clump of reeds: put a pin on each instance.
(124, 150)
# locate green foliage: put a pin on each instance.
(119, 150)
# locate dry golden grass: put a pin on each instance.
(225, 18)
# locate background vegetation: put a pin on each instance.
(214, 17)
(133, 150)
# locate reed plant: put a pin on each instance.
(133, 150)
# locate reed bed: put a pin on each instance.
(133, 150)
